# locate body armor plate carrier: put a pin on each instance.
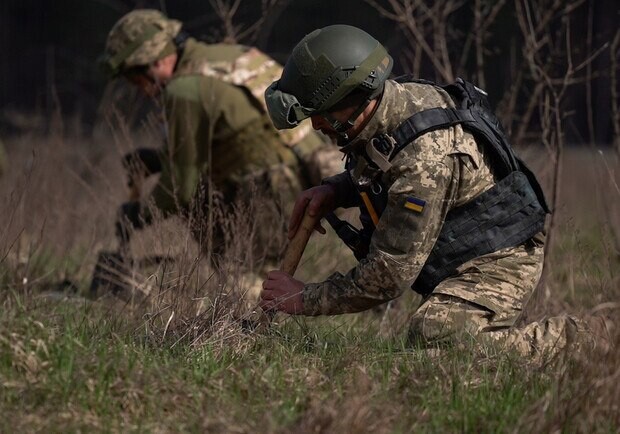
(508, 214)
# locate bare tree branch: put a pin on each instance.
(226, 11)
(589, 105)
(427, 27)
(237, 33)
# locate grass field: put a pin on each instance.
(175, 360)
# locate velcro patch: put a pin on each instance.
(415, 204)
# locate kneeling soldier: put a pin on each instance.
(447, 208)
(219, 136)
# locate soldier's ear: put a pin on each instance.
(163, 69)
(155, 71)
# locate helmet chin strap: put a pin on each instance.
(341, 128)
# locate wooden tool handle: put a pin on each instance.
(297, 245)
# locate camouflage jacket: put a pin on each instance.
(215, 130)
(442, 169)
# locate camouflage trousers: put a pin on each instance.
(485, 300)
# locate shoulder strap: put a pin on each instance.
(475, 115)
(472, 111)
(426, 121)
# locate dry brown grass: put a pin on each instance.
(176, 358)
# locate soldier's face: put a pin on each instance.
(320, 123)
(151, 79)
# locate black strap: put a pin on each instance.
(179, 41)
(426, 121)
(506, 215)
(472, 111)
(350, 235)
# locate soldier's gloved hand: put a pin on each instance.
(128, 219)
(141, 163)
(319, 200)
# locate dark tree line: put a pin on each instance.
(50, 49)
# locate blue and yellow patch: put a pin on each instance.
(415, 204)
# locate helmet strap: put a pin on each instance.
(341, 128)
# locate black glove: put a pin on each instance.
(147, 158)
(128, 219)
(141, 163)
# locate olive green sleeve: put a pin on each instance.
(188, 128)
(199, 111)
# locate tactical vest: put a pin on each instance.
(506, 215)
(253, 71)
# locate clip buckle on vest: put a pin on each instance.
(363, 174)
(367, 179)
(349, 234)
(379, 149)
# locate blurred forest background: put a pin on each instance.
(509, 48)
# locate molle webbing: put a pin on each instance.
(475, 116)
(426, 121)
(478, 122)
(504, 216)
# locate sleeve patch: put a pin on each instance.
(415, 204)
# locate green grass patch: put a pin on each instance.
(73, 367)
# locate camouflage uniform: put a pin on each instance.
(219, 137)
(252, 71)
(213, 131)
(218, 132)
(446, 168)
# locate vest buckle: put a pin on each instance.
(384, 144)
(379, 149)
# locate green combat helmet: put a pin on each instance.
(137, 39)
(325, 67)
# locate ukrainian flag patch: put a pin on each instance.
(415, 204)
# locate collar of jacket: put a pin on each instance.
(186, 56)
(383, 119)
